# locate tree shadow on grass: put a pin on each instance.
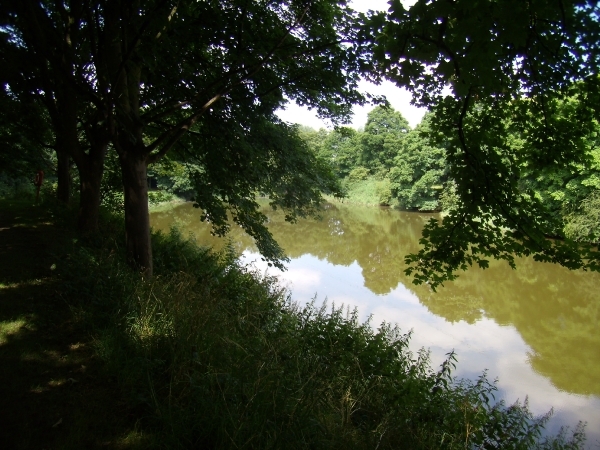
(53, 391)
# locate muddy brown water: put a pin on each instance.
(536, 328)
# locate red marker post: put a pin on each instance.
(39, 179)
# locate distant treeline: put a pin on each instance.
(403, 165)
(389, 163)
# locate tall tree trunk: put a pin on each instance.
(90, 176)
(63, 191)
(137, 219)
(91, 171)
(90, 166)
(124, 72)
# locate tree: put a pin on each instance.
(233, 65)
(382, 138)
(583, 223)
(562, 188)
(510, 65)
(341, 149)
(419, 170)
(315, 140)
(201, 77)
(47, 58)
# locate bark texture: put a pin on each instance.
(137, 219)
(90, 175)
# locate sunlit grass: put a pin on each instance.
(56, 383)
(25, 284)
(363, 192)
(166, 205)
(10, 328)
(134, 439)
(38, 389)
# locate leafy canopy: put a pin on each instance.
(512, 67)
(199, 78)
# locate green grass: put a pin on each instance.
(10, 328)
(166, 203)
(210, 354)
(362, 192)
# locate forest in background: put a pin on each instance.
(388, 163)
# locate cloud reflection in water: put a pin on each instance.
(483, 344)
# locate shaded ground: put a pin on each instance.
(52, 392)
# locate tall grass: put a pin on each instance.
(216, 355)
(362, 192)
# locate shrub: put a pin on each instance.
(449, 198)
(383, 189)
(157, 197)
(358, 174)
(584, 224)
(16, 187)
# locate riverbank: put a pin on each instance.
(210, 354)
(362, 192)
(160, 202)
(369, 192)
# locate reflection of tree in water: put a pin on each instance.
(555, 311)
(377, 239)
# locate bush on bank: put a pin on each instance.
(215, 355)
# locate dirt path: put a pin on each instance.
(53, 394)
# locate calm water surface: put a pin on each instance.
(536, 329)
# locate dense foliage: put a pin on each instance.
(199, 82)
(400, 166)
(528, 68)
(203, 79)
(424, 169)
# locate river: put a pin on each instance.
(536, 329)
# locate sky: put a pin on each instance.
(398, 98)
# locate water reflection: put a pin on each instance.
(539, 316)
(377, 239)
(554, 310)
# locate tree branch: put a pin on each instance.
(170, 137)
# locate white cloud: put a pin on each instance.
(303, 278)
(376, 5)
(398, 98)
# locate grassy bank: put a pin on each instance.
(365, 192)
(210, 354)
